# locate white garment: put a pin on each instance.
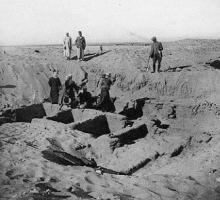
(67, 46)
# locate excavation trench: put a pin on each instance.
(97, 123)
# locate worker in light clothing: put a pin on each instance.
(67, 46)
(80, 43)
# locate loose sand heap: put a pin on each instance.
(162, 143)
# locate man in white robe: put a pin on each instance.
(67, 46)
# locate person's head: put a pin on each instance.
(154, 39)
(80, 33)
(84, 89)
(107, 75)
(55, 73)
(69, 77)
(67, 34)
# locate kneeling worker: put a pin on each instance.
(70, 89)
(85, 98)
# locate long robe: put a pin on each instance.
(55, 85)
(67, 46)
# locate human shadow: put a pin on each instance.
(215, 64)
(73, 58)
(174, 69)
(90, 56)
(7, 86)
(159, 124)
(136, 111)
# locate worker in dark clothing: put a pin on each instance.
(85, 98)
(98, 84)
(55, 85)
(69, 96)
(80, 43)
(101, 49)
(104, 102)
(156, 53)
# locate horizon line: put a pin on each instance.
(111, 43)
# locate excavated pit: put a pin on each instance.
(100, 124)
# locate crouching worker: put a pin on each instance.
(69, 97)
(105, 103)
(85, 98)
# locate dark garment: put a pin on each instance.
(156, 59)
(86, 99)
(104, 103)
(106, 83)
(156, 49)
(156, 54)
(80, 42)
(70, 89)
(55, 85)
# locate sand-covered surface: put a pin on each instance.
(162, 143)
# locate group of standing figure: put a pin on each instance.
(73, 95)
(80, 43)
(77, 95)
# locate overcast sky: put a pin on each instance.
(47, 21)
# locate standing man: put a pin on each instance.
(98, 84)
(80, 45)
(67, 46)
(156, 53)
(101, 49)
(104, 103)
(55, 87)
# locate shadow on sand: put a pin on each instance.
(7, 86)
(176, 69)
(90, 56)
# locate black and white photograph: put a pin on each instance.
(109, 99)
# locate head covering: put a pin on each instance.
(154, 38)
(84, 87)
(55, 73)
(107, 74)
(68, 76)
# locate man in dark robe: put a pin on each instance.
(156, 53)
(80, 43)
(85, 98)
(104, 102)
(69, 93)
(55, 85)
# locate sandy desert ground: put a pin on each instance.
(162, 143)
